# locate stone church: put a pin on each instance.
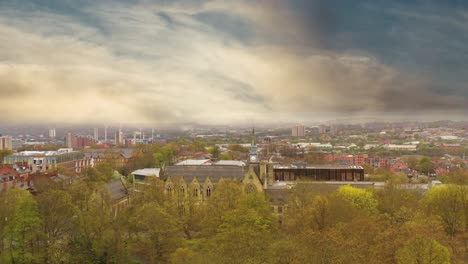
(200, 180)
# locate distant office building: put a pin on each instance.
(41, 161)
(315, 131)
(105, 133)
(138, 137)
(298, 131)
(52, 133)
(77, 142)
(119, 139)
(96, 134)
(84, 141)
(400, 147)
(69, 140)
(6, 142)
(323, 129)
(129, 143)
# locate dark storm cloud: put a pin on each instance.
(424, 40)
(408, 99)
(196, 61)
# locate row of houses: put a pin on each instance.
(393, 164)
(17, 175)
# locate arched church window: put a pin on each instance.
(208, 191)
(182, 189)
(169, 189)
(195, 192)
(250, 188)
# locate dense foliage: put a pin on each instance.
(74, 223)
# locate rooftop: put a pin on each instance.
(45, 153)
(191, 162)
(229, 163)
(208, 162)
(333, 167)
(106, 152)
(117, 189)
(147, 172)
(214, 172)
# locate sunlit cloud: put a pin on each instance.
(177, 62)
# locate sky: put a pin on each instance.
(217, 62)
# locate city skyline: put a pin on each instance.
(238, 62)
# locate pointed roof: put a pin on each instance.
(214, 172)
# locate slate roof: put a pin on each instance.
(214, 172)
(105, 152)
(7, 179)
(117, 190)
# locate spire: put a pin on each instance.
(253, 149)
(253, 136)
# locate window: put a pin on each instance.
(250, 188)
(139, 177)
(182, 189)
(169, 189)
(208, 191)
(280, 209)
(195, 192)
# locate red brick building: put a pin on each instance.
(17, 175)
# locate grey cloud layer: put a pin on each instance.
(160, 63)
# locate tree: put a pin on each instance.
(412, 163)
(360, 198)
(459, 176)
(368, 169)
(198, 146)
(23, 232)
(214, 151)
(225, 198)
(57, 211)
(185, 256)
(93, 220)
(426, 166)
(102, 172)
(239, 148)
(313, 157)
(159, 158)
(393, 198)
(156, 234)
(423, 251)
(450, 203)
(3, 154)
(227, 156)
(245, 234)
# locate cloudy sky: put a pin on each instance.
(232, 62)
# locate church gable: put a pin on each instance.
(251, 181)
(207, 187)
(169, 186)
(195, 188)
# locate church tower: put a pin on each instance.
(253, 154)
